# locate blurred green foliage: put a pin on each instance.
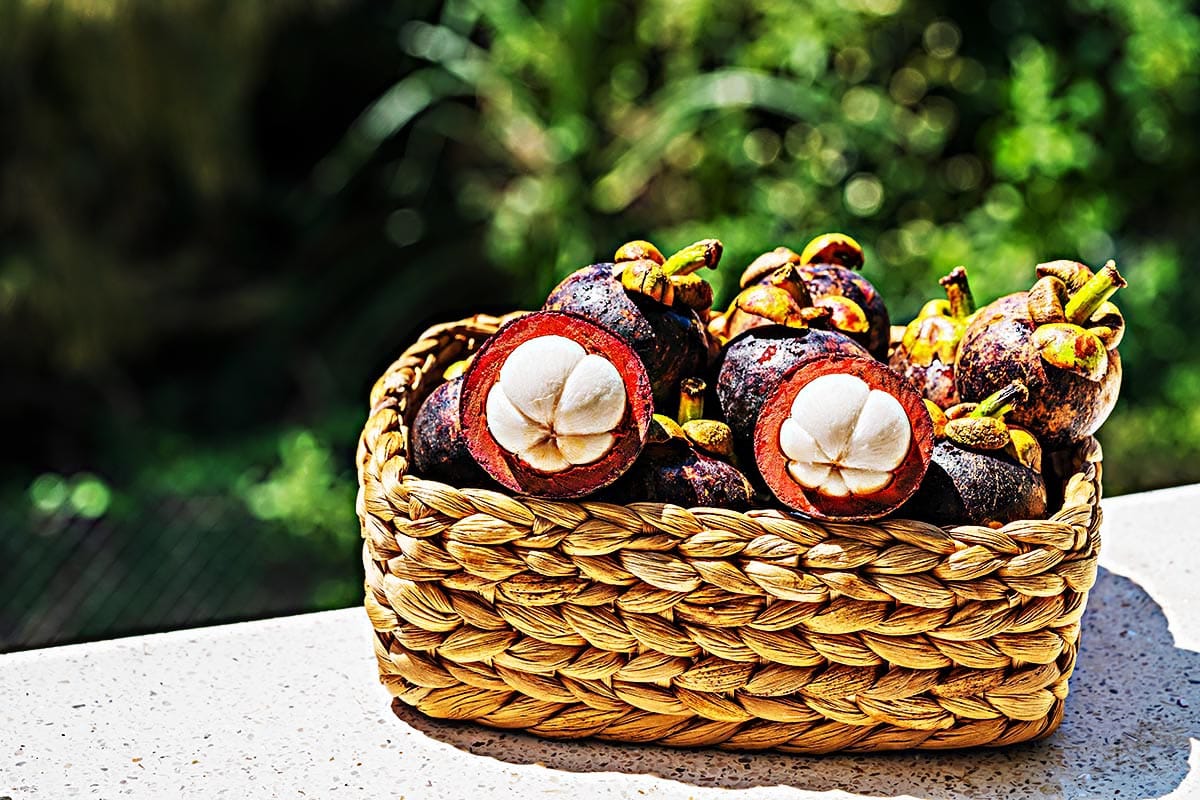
(993, 135)
(219, 221)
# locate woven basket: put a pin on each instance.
(700, 627)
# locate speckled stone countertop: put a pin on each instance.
(291, 708)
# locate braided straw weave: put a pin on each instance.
(690, 627)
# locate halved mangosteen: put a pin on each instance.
(555, 406)
(843, 438)
(653, 303)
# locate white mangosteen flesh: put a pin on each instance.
(555, 405)
(843, 437)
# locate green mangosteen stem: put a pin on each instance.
(958, 292)
(1094, 294)
(691, 400)
(1001, 401)
(704, 253)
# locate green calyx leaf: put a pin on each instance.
(711, 436)
(664, 430)
(1072, 348)
(978, 433)
(833, 248)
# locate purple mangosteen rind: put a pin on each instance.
(437, 447)
(935, 380)
(977, 488)
(997, 349)
(670, 341)
(677, 473)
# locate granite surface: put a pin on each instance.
(291, 708)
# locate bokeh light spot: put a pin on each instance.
(762, 146)
(404, 227)
(908, 86)
(942, 38)
(964, 172)
(861, 105)
(48, 493)
(90, 497)
(864, 194)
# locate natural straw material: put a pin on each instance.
(690, 627)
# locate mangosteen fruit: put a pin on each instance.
(1060, 340)
(437, 447)
(553, 405)
(843, 437)
(686, 464)
(653, 303)
(984, 471)
(926, 352)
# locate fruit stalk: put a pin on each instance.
(691, 400)
(1001, 401)
(1093, 294)
(696, 256)
(958, 293)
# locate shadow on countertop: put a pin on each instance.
(1134, 706)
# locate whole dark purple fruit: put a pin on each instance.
(437, 446)
(687, 465)
(1060, 340)
(983, 472)
(652, 304)
(828, 264)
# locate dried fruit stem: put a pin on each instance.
(1002, 401)
(691, 400)
(1094, 294)
(704, 253)
(958, 292)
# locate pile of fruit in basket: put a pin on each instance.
(628, 386)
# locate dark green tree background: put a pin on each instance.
(220, 220)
